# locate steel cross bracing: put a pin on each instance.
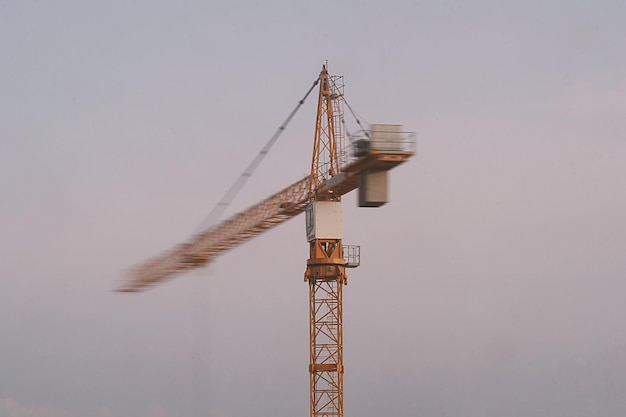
(326, 369)
(204, 247)
(326, 277)
(330, 179)
(325, 161)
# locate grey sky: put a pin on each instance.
(491, 285)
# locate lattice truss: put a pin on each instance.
(326, 327)
(204, 247)
(333, 174)
(328, 130)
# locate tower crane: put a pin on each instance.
(335, 170)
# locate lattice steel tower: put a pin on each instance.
(326, 269)
(335, 171)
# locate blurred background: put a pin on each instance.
(491, 285)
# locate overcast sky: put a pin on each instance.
(491, 285)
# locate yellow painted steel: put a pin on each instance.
(326, 271)
(204, 247)
(326, 276)
(325, 161)
(326, 267)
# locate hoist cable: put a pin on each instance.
(234, 189)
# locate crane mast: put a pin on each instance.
(333, 173)
(326, 271)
